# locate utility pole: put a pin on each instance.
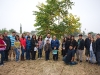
(20, 28)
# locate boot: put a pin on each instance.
(21, 58)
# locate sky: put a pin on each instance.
(14, 12)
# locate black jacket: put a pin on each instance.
(98, 45)
(67, 43)
(87, 43)
(74, 43)
(33, 43)
(81, 44)
(8, 42)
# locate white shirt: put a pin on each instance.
(47, 39)
(35, 49)
(91, 49)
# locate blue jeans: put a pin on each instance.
(17, 54)
(2, 57)
(23, 51)
(28, 54)
(39, 53)
(92, 55)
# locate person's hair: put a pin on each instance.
(71, 37)
(70, 45)
(98, 34)
(23, 36)
(1, 35)
(28, 37)
(13, 32)
(17, 36)
(64, 39)
(89, 33)
(33, 36)
(47, 40)
(80, 35)
(93, 38)
(40, 38)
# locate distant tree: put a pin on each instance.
(83, 33)
(93, 34)
(3, 30)
(11, 30)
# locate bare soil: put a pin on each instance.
(42, 67)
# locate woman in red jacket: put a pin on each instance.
(23, 46)
(2, 48)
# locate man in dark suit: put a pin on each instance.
(7, 41)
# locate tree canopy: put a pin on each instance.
(54, 18)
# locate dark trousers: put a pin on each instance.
(55, 57)
(98, 58)
(6, 55)
(64, 53)
(39, 53)
(23, 51)
(2, 57)
(47, 54)
(28, 54)
(33, 54)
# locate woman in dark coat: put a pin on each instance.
(33, 45)
(63, 47)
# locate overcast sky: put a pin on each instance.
(14, 12)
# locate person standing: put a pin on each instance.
(12, 39)
(47, 38)
(40, 43)
(17, 45)
(87, 46)
(55, 43)
(27, 35)
(34, 43)
(98, 49)
(47, 49)
(63, 47)
(73, 42)
(23, 46)
(67, 43)
(80, 50)
(8, 43)
(28, 48)
(92, 51)
(2, 48)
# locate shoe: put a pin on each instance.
(80, 60)
(86, 60)
(38, 58)
(77, 59)
(17, 61)
(41, 58)
(1, 64)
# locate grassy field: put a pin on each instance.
(42, 67)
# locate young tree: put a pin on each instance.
(53, 18)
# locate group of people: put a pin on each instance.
(71, 47)
(14, 45)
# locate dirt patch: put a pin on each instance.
(42, 67)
